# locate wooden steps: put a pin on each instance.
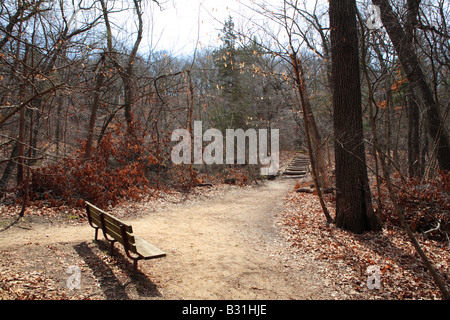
(298, 167)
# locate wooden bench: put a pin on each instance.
(115, 230)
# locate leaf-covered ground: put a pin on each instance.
(328, 263)
(345, 257)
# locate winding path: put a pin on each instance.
(226, 247)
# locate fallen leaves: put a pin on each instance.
(345, 257)
(36, 272)
(35, 283)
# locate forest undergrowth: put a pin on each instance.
(347, 257)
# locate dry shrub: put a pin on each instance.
(116, 170)
(426, 206)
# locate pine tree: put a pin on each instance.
(235, 97)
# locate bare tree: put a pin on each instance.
(288, 19)
(354, 210)
(412, 67)
(412, 102)
(126, 70)
(99, 78)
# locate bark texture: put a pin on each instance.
(354, 211)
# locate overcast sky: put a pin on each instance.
(180, 25)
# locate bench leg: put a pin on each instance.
(111, 248)
(135, 262)
(96, 234)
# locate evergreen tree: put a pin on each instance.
(235, 95)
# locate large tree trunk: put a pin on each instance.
(410, 63)
(354, 211)
(411, 99)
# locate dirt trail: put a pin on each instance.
(226, 247)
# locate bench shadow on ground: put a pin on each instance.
(112, 287)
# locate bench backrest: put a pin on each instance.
(115, 228)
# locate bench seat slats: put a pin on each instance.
(147, 250)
